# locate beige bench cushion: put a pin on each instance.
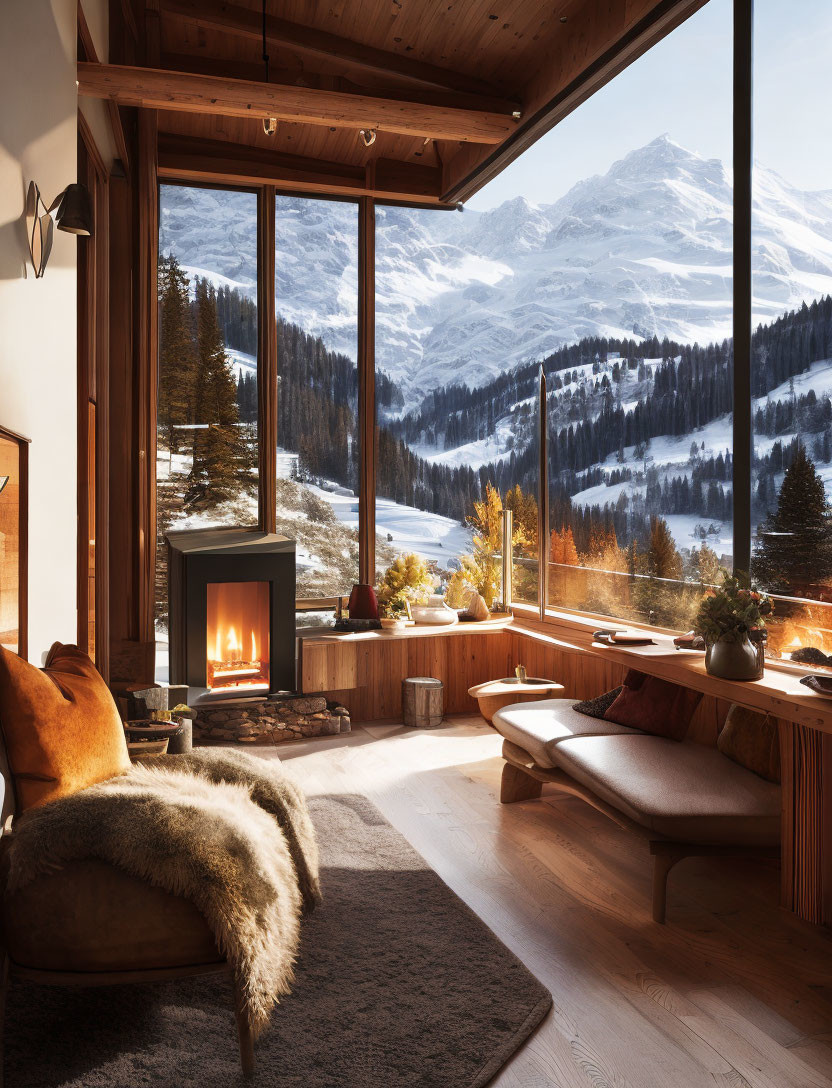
(678, 789)
(539, 727)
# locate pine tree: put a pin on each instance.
(794, 548)
(177, 357)
(222, 460)
(663, 561)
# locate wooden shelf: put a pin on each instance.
(779, 693)
(421, 630)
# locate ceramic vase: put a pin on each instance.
(434, 611)
(735, 660)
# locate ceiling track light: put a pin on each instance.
(368, 135)
(269, 123)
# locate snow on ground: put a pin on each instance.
(217, 279)
(473, 454)
(817, 377)
(682, 528)
(241, 362)
(429, 535)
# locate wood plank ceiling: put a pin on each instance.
(454, 89)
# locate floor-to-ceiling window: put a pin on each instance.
(456, 422)
(792, 347)
(316, 297)
(206, 436)
(637, 253)
(603, 257)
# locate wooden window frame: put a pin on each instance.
(742, 429)
(267, 336)
(93, 598)
(267, 369)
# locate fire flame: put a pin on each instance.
(238, 617)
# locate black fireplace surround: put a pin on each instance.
(197, 558)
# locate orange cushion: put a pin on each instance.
(60, 724)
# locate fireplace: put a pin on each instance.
(232, 611)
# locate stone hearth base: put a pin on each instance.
(269, 720)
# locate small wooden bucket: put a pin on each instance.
(422, 702)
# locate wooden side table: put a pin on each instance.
(496, 694)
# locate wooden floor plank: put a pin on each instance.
(733, 992)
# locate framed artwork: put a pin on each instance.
(14, 495)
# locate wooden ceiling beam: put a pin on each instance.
(189, 158)
(153, 88)
(279, 74)
(247, 23)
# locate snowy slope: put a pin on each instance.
(642, 249)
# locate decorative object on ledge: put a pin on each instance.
(477, 609)
(70, 211)
(821, 685)
(731, 620)
(690, 641)
(278, 718)
(363, 610)
(434, 611)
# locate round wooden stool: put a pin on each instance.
(422, 702)
(496, 694)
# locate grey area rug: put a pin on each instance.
(398, 985)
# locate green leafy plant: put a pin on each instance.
(406, 579)
(732, 612)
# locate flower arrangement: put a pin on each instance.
(406, 581)
(732, 612)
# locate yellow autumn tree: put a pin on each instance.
(482, 570)
(406, 579)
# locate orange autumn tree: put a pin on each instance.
(562, 548)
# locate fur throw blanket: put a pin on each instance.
(225, 829)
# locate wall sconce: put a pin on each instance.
(70, 211)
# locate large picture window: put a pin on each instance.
(792, 346)
(585, 294)
(206, 437)
(456, 424)
(316, 296)
(639, 398)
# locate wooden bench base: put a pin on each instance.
(523, 780)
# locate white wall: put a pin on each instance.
(38, 381)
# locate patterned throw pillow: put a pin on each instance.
(750, 739)
(654, 706)
(597, 707)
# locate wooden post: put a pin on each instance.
(267, 359)
(367, 389)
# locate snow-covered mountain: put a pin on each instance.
(644, 249)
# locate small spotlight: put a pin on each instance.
(516, 115)
(270, 125)
(368, 135)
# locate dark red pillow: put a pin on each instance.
(653, 705)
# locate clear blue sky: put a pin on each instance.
(683, 87)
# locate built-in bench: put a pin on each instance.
(686, 799)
